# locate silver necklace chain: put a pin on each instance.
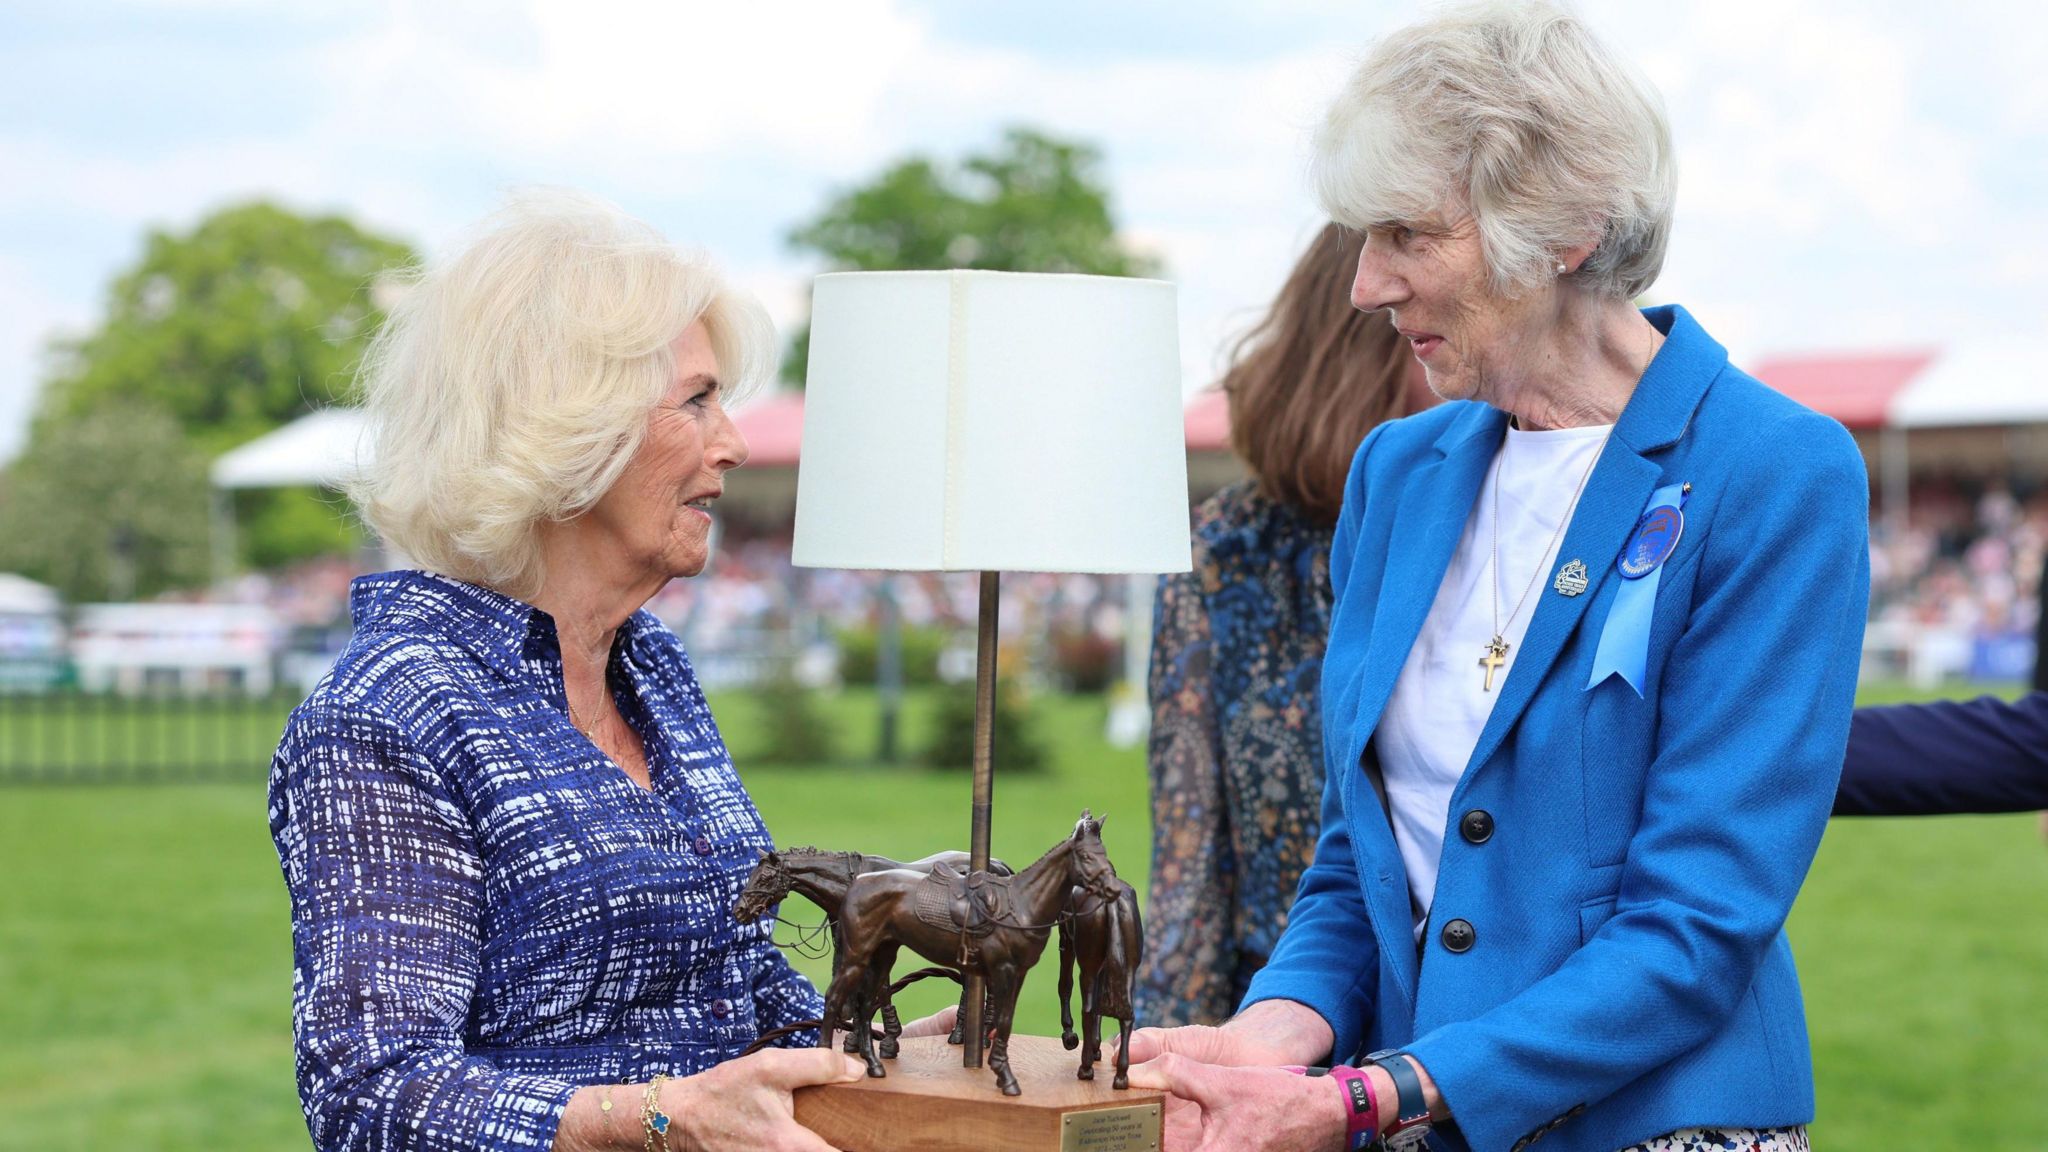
(1493, 584)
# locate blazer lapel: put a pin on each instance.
(1606, 514)
(1655, 418)
(1435, 504)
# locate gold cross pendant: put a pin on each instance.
(1496, 655)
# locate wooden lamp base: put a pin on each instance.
(929, 1103)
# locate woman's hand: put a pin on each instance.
(1270, 1033)
(744, 1105)
(939, 1023)
(1215, 1109)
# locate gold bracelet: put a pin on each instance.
(604, 1105)
(652, 1117)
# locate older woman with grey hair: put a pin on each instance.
(1591, 662)
(509, 827)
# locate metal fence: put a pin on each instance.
(73, 737)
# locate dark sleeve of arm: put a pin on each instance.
(1950, 756)
(2041, 634)
(386, 893)
(1190, 955)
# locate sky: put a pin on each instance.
(1854, 174)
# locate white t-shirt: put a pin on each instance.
(1440, 704)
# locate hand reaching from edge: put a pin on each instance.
(1271, 1032)
(939, 1023)
(1221, 1109)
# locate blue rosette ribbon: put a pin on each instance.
(1625, 639)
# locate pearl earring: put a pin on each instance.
(1561, 269)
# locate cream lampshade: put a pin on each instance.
(987, 421)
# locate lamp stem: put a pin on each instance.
(888, 665)
(974, 993)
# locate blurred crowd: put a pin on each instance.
(1965, 559)
(1956, 590)
(751, 603)
(753, 600)
(752, 585)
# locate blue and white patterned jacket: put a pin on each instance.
(487, 913)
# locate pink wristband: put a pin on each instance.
(1362, 1108)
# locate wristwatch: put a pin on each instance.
(1410, 1128)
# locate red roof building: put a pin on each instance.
(1858, 390)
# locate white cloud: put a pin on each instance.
(1846, 168)
(1205, 159)
(29, 316)
(1818, 129)
(125, 189)
(587, 76)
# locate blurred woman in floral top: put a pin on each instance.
(1236, 751)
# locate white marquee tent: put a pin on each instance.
(1988, 382)
(320, 449)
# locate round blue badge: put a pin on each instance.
(1655, 536)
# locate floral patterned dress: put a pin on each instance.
(1236, 750)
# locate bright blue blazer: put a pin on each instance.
(1628, 972)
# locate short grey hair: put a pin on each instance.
(1516, 112)
(515, 378)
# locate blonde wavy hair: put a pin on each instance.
(514, 378)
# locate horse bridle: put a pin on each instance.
(780, 877)
(1101, 887)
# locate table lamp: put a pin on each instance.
(969, 421)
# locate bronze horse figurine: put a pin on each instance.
(822, 877)
(1106, 941)
(993, 926)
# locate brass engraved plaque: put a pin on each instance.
(1132, 1128)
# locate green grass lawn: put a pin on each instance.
(145, 980)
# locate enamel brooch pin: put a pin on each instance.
(1571, 579)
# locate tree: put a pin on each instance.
(253, 318)
(1035, 204)
(111, 505)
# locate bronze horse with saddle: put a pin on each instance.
(991, 922)
(983, 924)
(822, 877)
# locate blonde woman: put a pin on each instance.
(510, 829)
